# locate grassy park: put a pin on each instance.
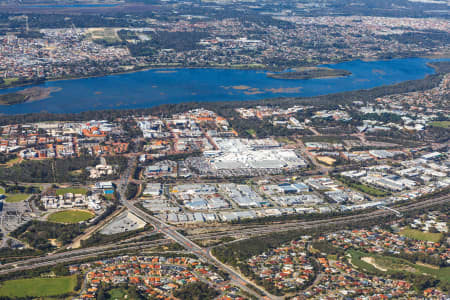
(38, 287)
(70, 216)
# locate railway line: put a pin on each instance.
(247, 231)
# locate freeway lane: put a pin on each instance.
(54, 261)
(204, 254)
(162, 227)
(241, 280)
(253, 230)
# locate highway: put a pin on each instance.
(192, 247)
(203, 254)
(237, 278)
(243, 230)
(73, 257)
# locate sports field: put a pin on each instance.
(70, 216)
(38, 287)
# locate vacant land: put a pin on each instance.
(369, 190)
(326, 139)
(420, 235)
(16, 197)
(379, 262)
(106, 35)
(81, 191)
(38, 287)
(362, 187)
(70, 216)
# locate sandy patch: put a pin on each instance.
(371, 261)
(241, 87)
(427, 265)
(38, 93)
(285, 90)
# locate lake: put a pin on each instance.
(154, 87)
(67, 5)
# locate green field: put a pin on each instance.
(363, 188)
(332, 257)
(396, 264)
(10, 80)
(117, 294)
(282, 139)
(420, 235)
(356, 260)
(369, 190)
(16, 197)
(13, 197)
(38, 287)
(326, 138)
(443, 124)
(70, 216)
(81, 191)
(251, 132)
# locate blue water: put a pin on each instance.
(155, 87)
(67, 5)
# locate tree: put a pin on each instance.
(196, 291)
(131, 191)
(433, 229)
(100, 293)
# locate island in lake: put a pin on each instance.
(310, 73)
(27, 95)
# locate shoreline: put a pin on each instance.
(250, 68)
(28, 95)
(398, 87)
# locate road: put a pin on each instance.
(247, 230)
(72, 257)
(237, 278)
(323, 169)
(252, 230)
(203, 254)
(187, 242)
(162, 227)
